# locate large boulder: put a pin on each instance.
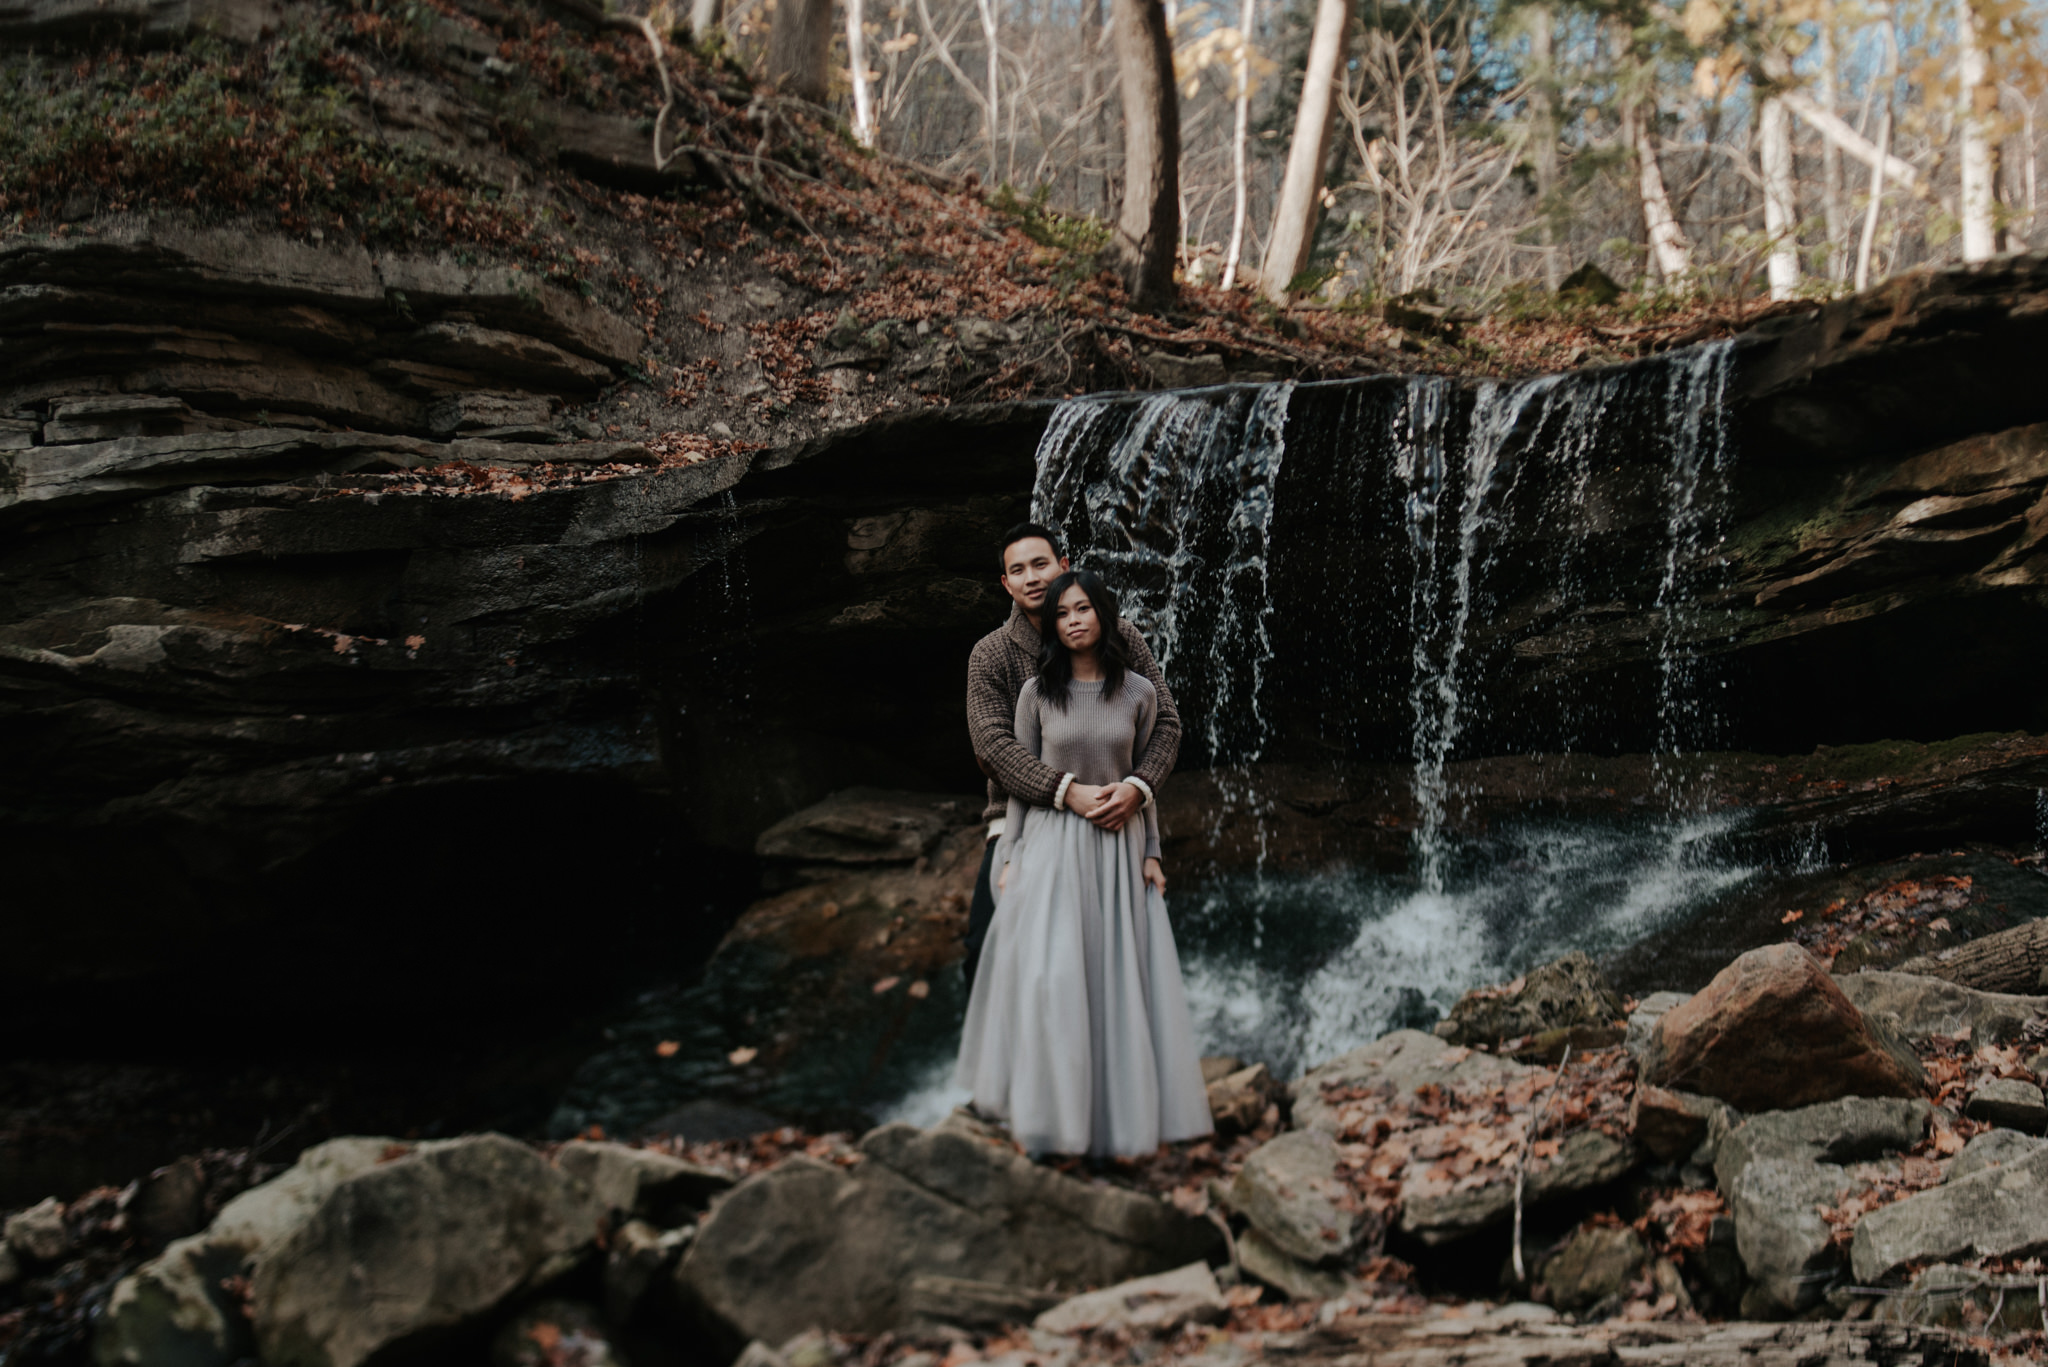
(1436, 1208)
(1925, 1007)
(40, 1231)
(426, 1243)
(1772, 1030)
(1670, 1124)
(1262, 1260)
(2009, 1102)
(1993, 1149)
(1999, 1212)
(174, 1309)
(1438, 1212)
(1405, 1060)
(809, 1244)
(1572, 991)
(1292, 1191)
(1594, 1263)
(627, 1181)
(1849, 1130)
(1158, 1304)
(1787, 1248)
(1642, 1022)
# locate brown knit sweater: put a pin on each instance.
(996, 671)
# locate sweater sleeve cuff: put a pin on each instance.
(1059, 799)
(1142, 787)
(1152, 847)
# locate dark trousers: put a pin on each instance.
(980, 911)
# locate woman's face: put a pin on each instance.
(1075, 620)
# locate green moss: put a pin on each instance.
(1899, 759)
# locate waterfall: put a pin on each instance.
(1172, 503)
(1452, 529)
(1696, 499)
(1436, 696)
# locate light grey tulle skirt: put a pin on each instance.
(1078, 1034)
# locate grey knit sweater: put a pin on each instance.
(1093, 738)
(996, 672)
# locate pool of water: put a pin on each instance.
(1292, 970)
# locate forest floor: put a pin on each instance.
(789, 281)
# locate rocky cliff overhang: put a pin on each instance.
(271, 695)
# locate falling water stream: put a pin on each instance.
(1176, 500)
(1419, 572)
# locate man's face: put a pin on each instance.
(1028, 567)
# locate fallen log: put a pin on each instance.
(2013, 960)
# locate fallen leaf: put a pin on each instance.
(885, 984)
(1947, 1143)
(415, 642)
(667, 1048)
(920, 989)
(742, 1056)
(1789, 917)
(829, 910)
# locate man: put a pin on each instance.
(996, 671)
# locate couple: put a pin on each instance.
(1077, 1034)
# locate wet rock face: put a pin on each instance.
(156, 329)
(237, 674)
(226, 699)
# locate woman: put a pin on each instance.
(1077, 1030)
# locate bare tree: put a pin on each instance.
(1834, 215)
(800, 49)
(1781, 213)
(1301, 191)
(857, 69)
(994, 107)
(1976, 117)
(1241, 72)
(1417, 198)
(1147, 239)
(1869, 240)
(1543, 131)
(1669, 247)
(1432, 181)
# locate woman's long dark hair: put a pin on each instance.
(1056, 662)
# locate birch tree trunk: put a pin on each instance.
(990, 36)
(1668, 245)
(1979, 107)
(1543, 118)
(857, 62)
(1831, 126)
(1301, 186)
(1863, 248)
(1094, 146)
(1781, 217)
(1240, 188)
(706, 17)
(1833, 213)
(1148, 226)
(800, 47)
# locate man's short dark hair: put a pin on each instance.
(1025, 531)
